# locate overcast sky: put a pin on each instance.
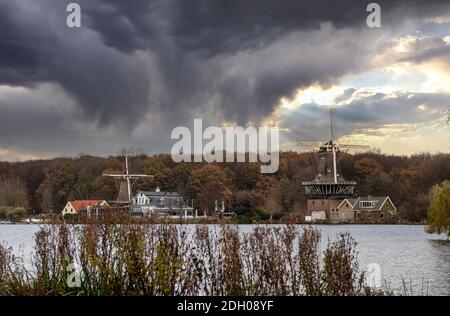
(137, 69)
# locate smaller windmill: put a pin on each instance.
(328, 182)
(125, 181)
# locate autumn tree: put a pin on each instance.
(208, 184)
(180, 177)
(372, 180)
(60, 182)
(47, 203)
(284, 197)
(13, 192)
(247, 202)
(246, 175)
(406, 179)
(367, 166)
(157, 166)
(84, 188)
(105, 188)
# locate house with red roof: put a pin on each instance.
(84, 206)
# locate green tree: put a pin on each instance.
(439, 213)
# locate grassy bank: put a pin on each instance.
(135, 259)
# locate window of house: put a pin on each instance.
(367, 204)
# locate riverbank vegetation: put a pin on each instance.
(439, 215)
(136, 259)
(255, 197)
(12, 214)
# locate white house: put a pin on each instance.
(146, 203)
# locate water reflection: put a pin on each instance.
(441, 251)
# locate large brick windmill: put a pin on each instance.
(124, 182)
(329, 185)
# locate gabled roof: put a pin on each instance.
(390, 201)
(388, 198)
(351, 201)
(82, 204)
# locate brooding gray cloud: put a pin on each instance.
(136, 70)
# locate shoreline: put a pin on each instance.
(230, 223)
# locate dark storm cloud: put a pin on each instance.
(33, 122)
(37, 46)
(179, 38)
(219, 60)
(217, 26)
(19, 57)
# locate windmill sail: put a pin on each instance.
(125, 181)
(328, 182)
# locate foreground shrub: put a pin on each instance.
(121, 257)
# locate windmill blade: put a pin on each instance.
(308, 144)
(112, 175)
(140, 176)
(354, 146)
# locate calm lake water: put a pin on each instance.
(402, 251)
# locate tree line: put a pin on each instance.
(46, 185)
